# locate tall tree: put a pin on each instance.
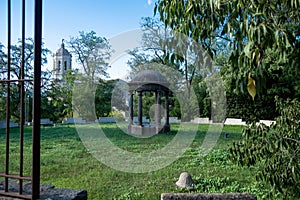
(265, 38)
(92, 53)
(2, 59)
(16, 61)
(57, 98)
(263, 35)
(162, 47)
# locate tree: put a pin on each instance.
(92, 53)
(2, 59)
(263, 35)
(162, 47)
(57, 99)
(103, 98)
(274, 150)
(15, 73)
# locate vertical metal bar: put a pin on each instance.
(157, 109)
(140, 108)
(36, 131)
(131, 108)
(8, 93)
(167, 108)
(22, 98)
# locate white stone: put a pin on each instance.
(267, 122)
(185, 180)
(234, 121)
(200, 120)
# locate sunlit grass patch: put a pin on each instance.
(65, 162)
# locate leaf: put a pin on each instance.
(247, 49)
(251, 86)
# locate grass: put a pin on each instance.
(66, 163)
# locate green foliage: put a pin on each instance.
(117, 115)
(103, 98)
(15, 73)
(83, 99)
(161, 48)
(242, 106)
(262, 35)
(92, 53)
(274, 149)
(277, 83)
(16, 59)
(57, 99)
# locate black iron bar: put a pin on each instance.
(15, 80)
(15, 176)
(8, 93)
(36, 131)
(22, 100)
(35, 174)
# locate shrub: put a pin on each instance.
(274, 149)
(118, 115)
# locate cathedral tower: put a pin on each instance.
(62, 61)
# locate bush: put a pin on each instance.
(118, 115)
(274, 149)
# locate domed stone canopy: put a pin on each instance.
(149, 80)
(152, 81)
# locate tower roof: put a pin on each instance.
(62, 51)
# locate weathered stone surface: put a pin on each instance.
(185, 180)
(63, 194)
(47, 192)
(216, 196)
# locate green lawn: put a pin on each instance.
(65, 162)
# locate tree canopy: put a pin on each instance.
(15, 73)
(262, 35)
(263, 40)
(92, 53)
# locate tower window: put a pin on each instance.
(59, 64)
(65, 65)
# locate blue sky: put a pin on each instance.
(65, 18)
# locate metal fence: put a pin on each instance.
(34, 177)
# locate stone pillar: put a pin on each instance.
(140, 108)
(167, 123)
(131, 109)
(158, 111)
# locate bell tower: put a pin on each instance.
(62, 61)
